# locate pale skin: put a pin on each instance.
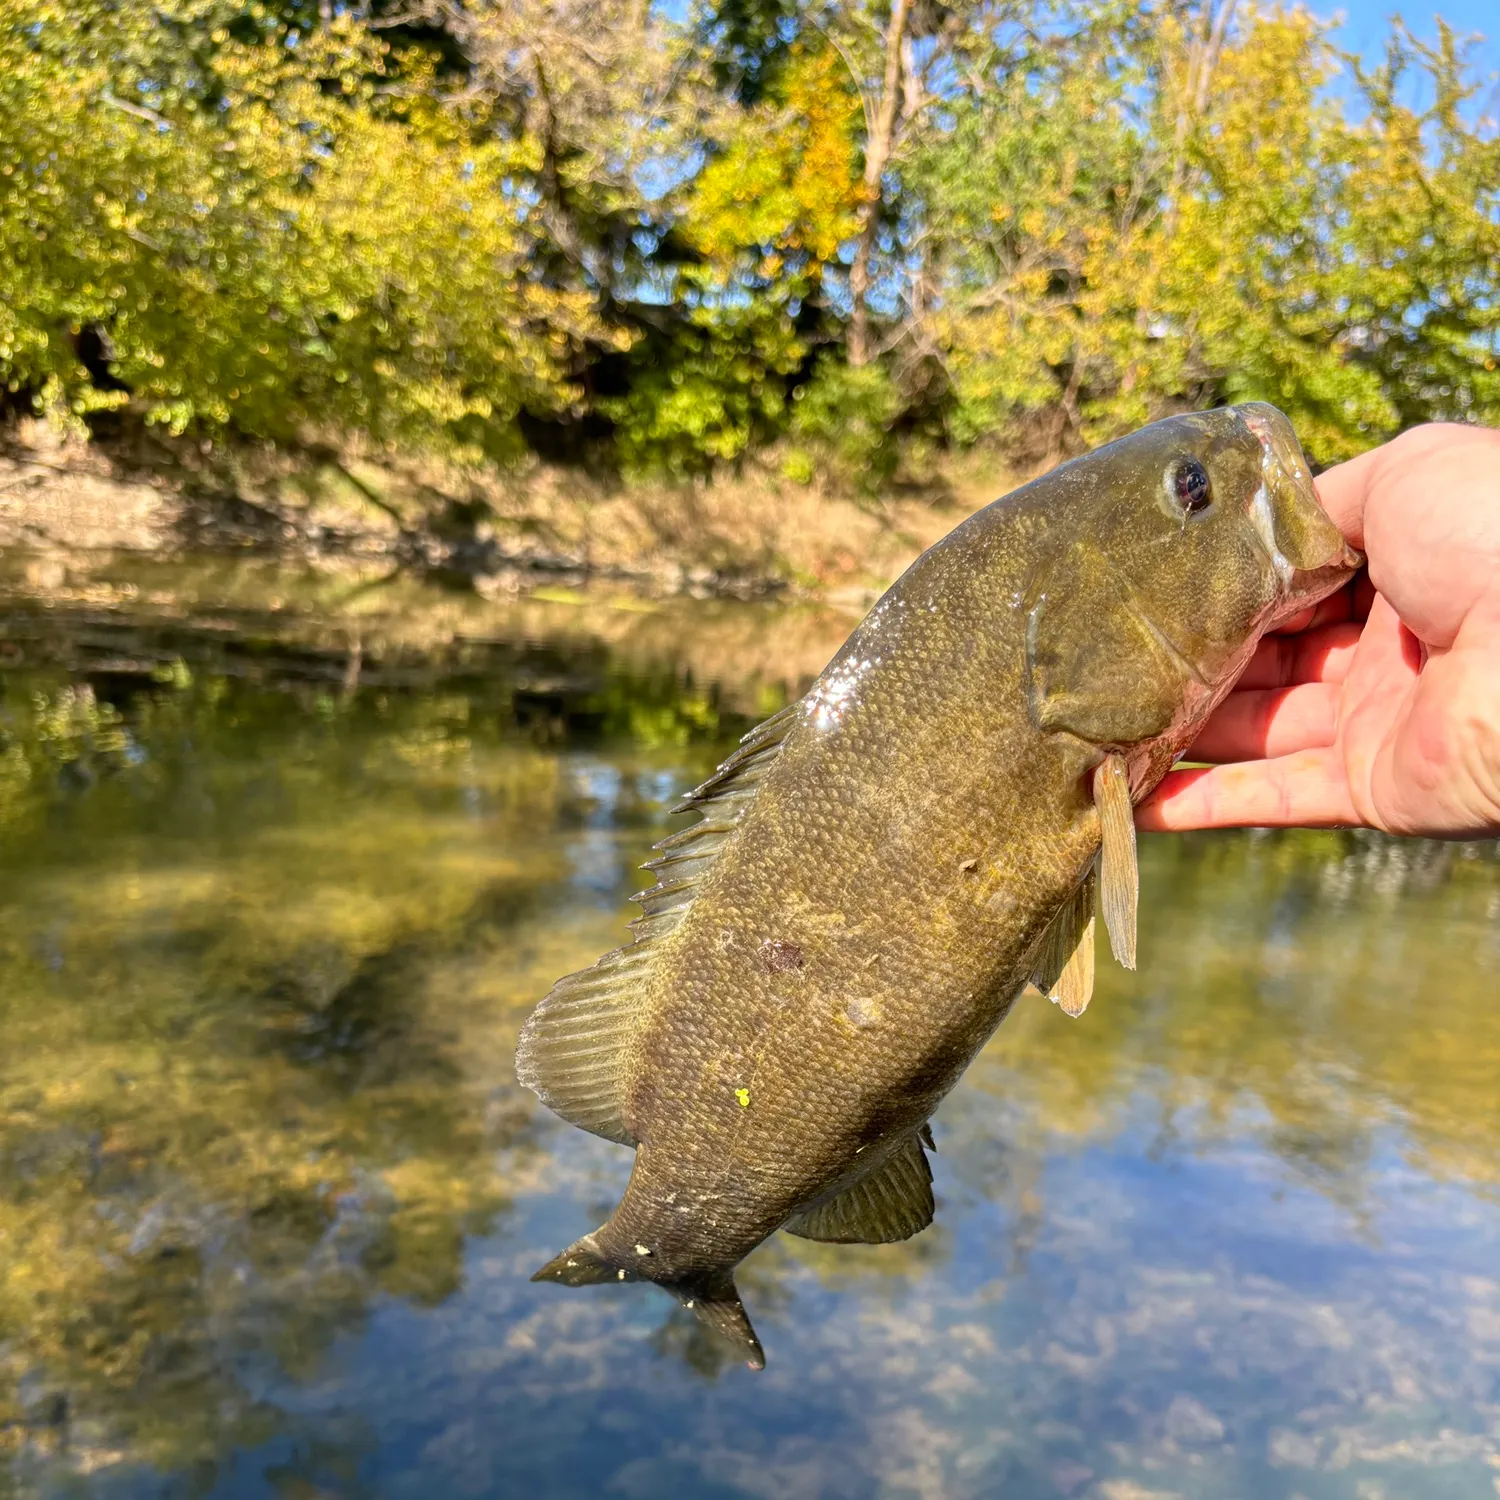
(1381, 707)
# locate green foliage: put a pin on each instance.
(766, 222)
(261, 242)
(1355, 282)
(842, 422)
(706, 392)
(780, 199)
(1036, 197)
(1105, 265)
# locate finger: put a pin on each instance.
(1385, 672)
(1438, 771)
(1329, 611)
(1343, 491)
(1384, 663)
(1273, 722)
(1305, 790)
(1316, 656)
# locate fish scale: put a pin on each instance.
(884, 867)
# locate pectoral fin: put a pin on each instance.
(1119, 876)
(1064, 970)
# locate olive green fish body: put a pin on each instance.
(876, 872)
(860, 941)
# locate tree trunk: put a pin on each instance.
(1202, 61)
(877, 154)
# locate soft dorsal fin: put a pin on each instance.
(1064, 970)
(573, 1049)
(891, 1203)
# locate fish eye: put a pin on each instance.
(1188, 485)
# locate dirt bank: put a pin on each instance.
(746, 536)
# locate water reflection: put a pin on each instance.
(269, 1194)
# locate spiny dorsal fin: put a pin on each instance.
(1064, 970)
(685, 858)
(573, 1049)
(1119, 875)
(891, 1203)
(736, 779)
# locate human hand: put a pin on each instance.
(1381, 707)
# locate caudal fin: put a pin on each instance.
(717, 1303)
(712, 1298)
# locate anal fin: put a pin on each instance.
(891, 1203)
(1064, 970)
(1119, 874)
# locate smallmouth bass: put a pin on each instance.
(882, 868)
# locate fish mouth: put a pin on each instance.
(1282, 461)
(1276, 462)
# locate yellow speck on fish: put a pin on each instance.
(743, 1095)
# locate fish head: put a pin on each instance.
(1192, 537)
(1216, 530)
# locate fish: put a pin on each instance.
(884, 867)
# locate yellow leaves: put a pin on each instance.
(1033, 222)
(787, 182)
(394, 246)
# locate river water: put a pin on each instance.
(285, 862)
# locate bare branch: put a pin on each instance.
(877, 154)
(859, 86)
(138, 110)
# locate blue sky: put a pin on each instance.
(1367, 22)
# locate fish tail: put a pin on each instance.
(716, 1303)
(711, 1297)
(583, 1263)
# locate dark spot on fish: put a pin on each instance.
(780, 956)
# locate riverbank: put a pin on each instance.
(125, 620)
(744, 536)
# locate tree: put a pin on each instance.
(653, 240)
(301, 251)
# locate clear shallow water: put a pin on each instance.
(272, 909)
